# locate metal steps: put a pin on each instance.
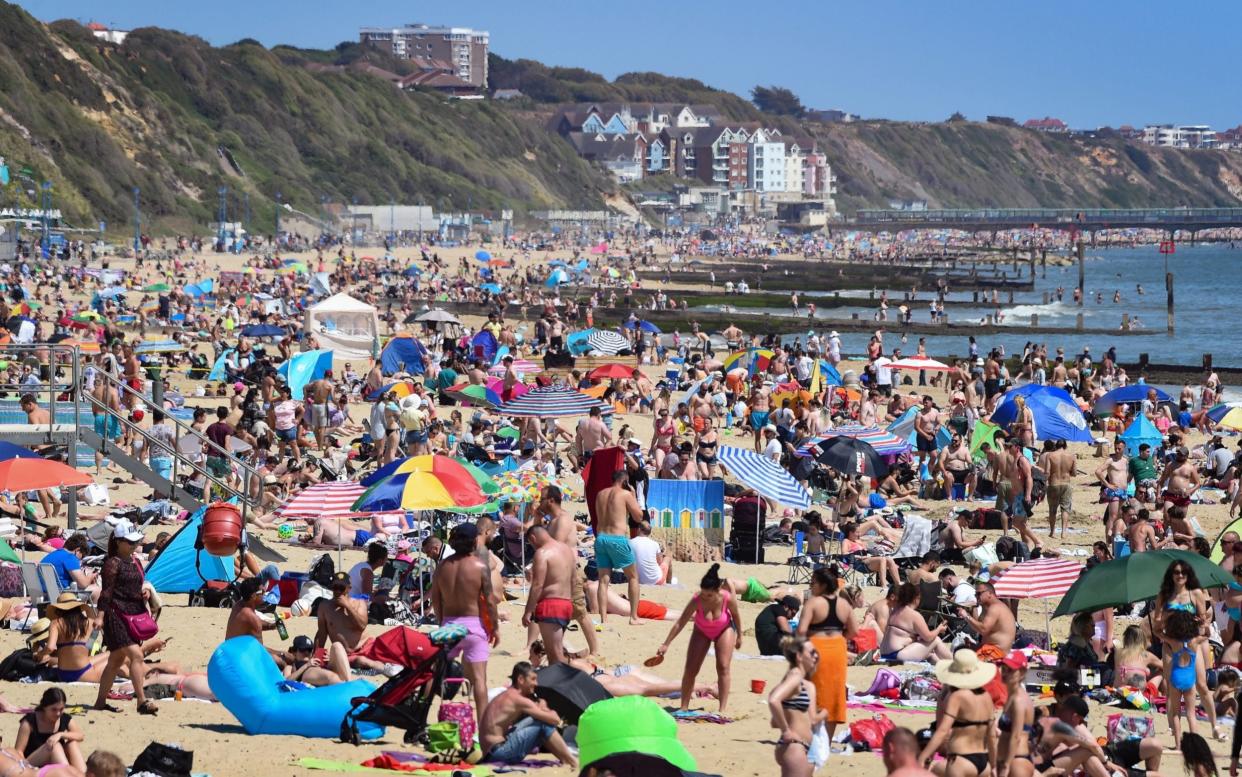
(139, 469)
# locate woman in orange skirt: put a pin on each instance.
(827, 619)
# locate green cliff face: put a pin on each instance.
(97, 120)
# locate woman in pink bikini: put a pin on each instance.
(716, 624)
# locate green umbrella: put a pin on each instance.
(157, 287)
(8, 554)
(1134, 578)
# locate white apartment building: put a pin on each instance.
(1180, 135)
(766, 168)
(463, 48)
(795, 175)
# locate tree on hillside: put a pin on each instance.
(777, 100)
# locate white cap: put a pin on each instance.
(125, 530)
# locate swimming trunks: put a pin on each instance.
(1176, 499)
(755, 592)
(108, 427)
(361, 537)
(612, 551)
(1116, 493)
(555, 611)
(758, 419)
(474, 646)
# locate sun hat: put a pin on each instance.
(965, 671)
(65, 602)
(125, 530)
(39, 631)
(630, 724)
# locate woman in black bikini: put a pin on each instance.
(794, 711)
(965, 717)
(49, 736)
(709, 465)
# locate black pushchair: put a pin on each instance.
(405, 700)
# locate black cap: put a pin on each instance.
(464, 531)
(302, 642)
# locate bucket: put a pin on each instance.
(222, 529)
(757, 686)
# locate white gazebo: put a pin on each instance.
(347, 326)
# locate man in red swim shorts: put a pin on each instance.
(550, 601)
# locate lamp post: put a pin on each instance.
(276, 236)
(392, 222)
(46, 241)
(137, 223)
(223, 215)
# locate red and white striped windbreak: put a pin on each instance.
(327, 500)
(1038, 579)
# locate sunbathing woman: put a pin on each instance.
(67, 653)
(625, 679)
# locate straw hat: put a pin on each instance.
(65, 602)
(965, 670)
(39, 631)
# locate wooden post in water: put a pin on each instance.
(1082, 273)
(1168, 287)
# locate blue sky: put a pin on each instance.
(1089, 63)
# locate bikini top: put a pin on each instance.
(831, 621)
(1005, 723)
(1182, 607)
(801, 702)
(703, 622)
(960, 723)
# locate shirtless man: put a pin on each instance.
(1179, 481)
(733, 337)
(701, 407)
(343, 619)
(957, 466)
(867, 410)
(317, 394)
(926, 424)
(244, 619)
(1013, 489)
(1141, 534)
(106, 406)
(564, 529)
(926, 571)
(331, 531)
(514, 724)
(551, 584)
(615, 506)
(953, 537)
(1114, 475)
(996, 626)
(991, 378)
(592, 434)
(461, 594)
(1059, 466)
(760, 407)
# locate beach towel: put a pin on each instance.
(324, 764)
(597, 475)
(700, 716)
(530, 763)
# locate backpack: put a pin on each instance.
(921, 687)
(871, 731)
(323, 570)
(19, 665)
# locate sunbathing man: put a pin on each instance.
(343, 619)
(751, 590)
(619, 605)
(332, 531)
(514, 724)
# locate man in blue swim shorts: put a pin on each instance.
(615, 507)
(760, 410)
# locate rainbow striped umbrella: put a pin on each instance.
(404, 388)
(527, 486)
(487, 484)
(552, 402)
(429, 482)
(474, 394)
(1218, 412)
(885, 442)
(760, 356)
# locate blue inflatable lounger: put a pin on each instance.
(247, 682)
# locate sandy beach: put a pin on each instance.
(742, 747)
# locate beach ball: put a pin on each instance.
(285, 531)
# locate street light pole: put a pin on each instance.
(137, 223)
(223, 215)
(46, 242)
(276, 237)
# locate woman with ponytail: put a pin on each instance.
(716, 620)
(827, 620)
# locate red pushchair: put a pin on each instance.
(405, 700)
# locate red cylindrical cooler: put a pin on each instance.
(222, 529)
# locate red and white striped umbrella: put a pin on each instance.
(520, 366)
(1038, 579)
(919, 363)
(324, 500)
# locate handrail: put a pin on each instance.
(249, 474)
